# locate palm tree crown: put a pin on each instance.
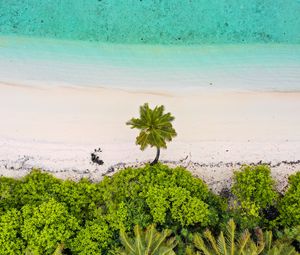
(148, 242)
(156, 127)
(232, 243)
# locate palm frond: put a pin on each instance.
(228, 243)
(200, 244)
(230, 236)
(260, 240)
(268, 239)
(166, 251)
(148, 242)
(222, 247)
(212, 241)
(281, 249)
(59, 249)
(138, 240)
(127, 243)
(142, 140)
(243, 241)
(161, 238)
(149, 235)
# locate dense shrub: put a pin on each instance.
(88, 216)
(82, 198)
(94, 239)
(47, 225)
(177, 204)
(50, 211)
(289, 206)
(7, 199)
(35, 188)
(36, 229)
(39, 213)
(254, 191)
(158, 194)
(10, 241)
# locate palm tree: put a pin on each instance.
(148, 242)
(231, 243)
(280, 246)
(228, 243)
(156, 128)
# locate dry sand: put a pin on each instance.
(57, 128)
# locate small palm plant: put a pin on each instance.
(228, 243)
(231, 243)
(280, 246)
(156, 128)
(148, 242)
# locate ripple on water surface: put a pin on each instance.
(252, 66)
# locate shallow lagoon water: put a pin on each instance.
(155, 21)
(150, 45)
(34, 61)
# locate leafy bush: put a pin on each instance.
(35, 188)
(7, 199)
(94, 239)
(254, 191)
(40, 214)
(82, 198)
(88, 216)
(10, 243)
(158, 194)
(290, 203)
(36, 229)
(47, 225)
(179, 204)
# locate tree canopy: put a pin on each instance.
(155, 126)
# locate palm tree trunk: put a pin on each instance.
(156, 158)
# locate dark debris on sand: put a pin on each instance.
(95, 158)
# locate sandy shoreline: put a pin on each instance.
(57, 129)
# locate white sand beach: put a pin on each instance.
(57, 128)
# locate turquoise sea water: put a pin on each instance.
(56, 62)
(155, 21)
(150, 44)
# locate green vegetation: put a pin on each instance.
(254, 191)
(227, 243)
(148, 242)
(158, 194)
(289, 206)
(40, 214)
(156, 128)
(46, 225)
(233, 243)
